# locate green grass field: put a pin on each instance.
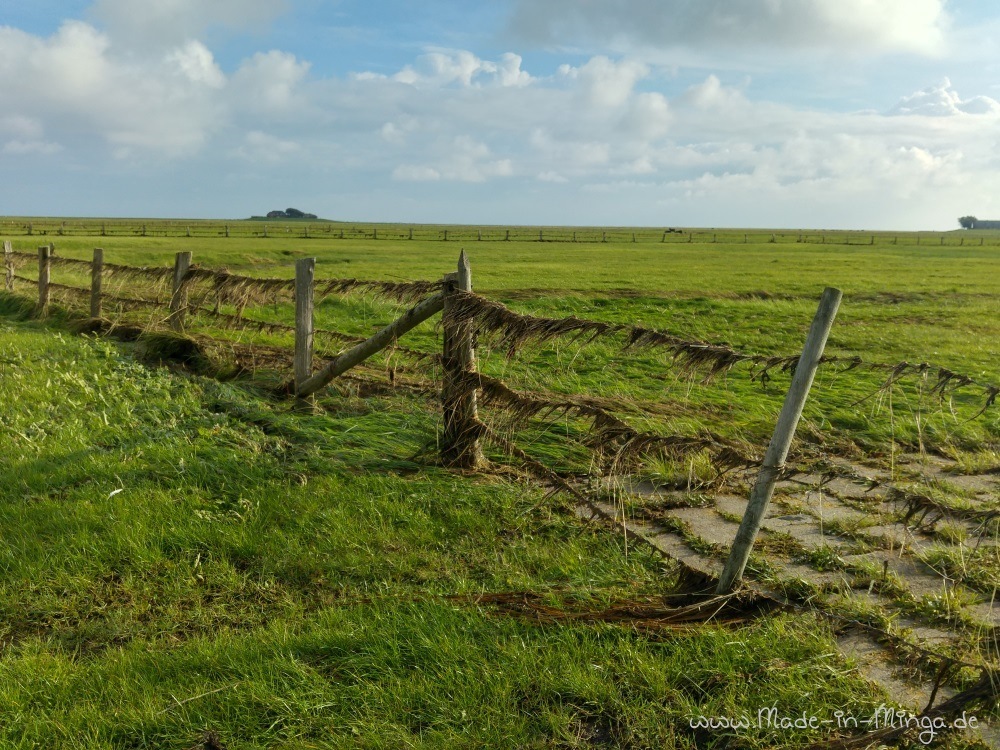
(186, 559)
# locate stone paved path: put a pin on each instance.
(858, 549)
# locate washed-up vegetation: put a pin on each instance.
(193, 561)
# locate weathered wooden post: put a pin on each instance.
(540, 235)
(411, 233)
(227, 230)
(305, 272)
(445, 235)
(178, 296)
(460, 445)
(8, 263)
(507, 238)
(374, 233)
(479, 235)
(96, 277)
(44, 274)
(781, 441)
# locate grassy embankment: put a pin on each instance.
(280, 579)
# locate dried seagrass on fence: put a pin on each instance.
(616, 447)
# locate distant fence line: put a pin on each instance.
(468, 318)
(246, 229)
(186, 288)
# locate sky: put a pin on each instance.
(850, 114)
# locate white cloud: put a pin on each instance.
(43, 148)
(258, 146)
(195, 61)
(270, 82)
(873, 26)
(711, 94)
(464, 159)
(170, 23)
(74, 85)
(415, 173)
(607, 83)
(551, 177)
(444, 67)
(942, 100)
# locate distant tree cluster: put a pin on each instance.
(290, 213)
(971, 222)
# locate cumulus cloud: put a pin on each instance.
(597, 138)
(258, 146)
(169, 23)
(941, 100)
(74, 83)
(605, 82)
(464, 159)
(875, 26)
(444, 67)
(270, 82)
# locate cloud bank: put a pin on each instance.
(606, 139)
(869, 26)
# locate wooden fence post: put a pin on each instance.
(8, 263)
(460, 445)
(178, 296)
(305, 272)
(96, 277)
(781, 441)
(44, 274)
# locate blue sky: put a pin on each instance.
(880, 114)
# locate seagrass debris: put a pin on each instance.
(244, 291)
(512, 331)
(924, 511)
(919, 508)
(648, 614)
(947, 381)
(983, 693)
(611, 436)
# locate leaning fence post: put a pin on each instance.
(96, 275)
(8, 262)
(178, 296)
(305, 272)
(460, 447)
(44, 273)
(781, 441)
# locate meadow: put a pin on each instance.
(190, 562)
